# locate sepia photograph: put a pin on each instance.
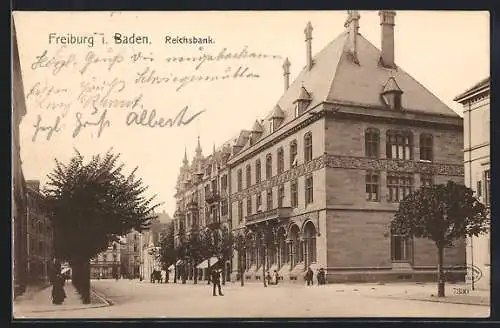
(250, 164)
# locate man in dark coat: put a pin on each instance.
(309, 277)
(215, 277)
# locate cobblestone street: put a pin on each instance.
(134, 299)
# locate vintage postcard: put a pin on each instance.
(251, 164)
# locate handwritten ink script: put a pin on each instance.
(88, 91)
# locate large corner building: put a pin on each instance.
(317, 182)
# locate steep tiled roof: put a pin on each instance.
(335, 77)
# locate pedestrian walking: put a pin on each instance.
(309, 277)
(321, 276)
(58, 293)
(215, 277)
(276, 277)
(269, 278)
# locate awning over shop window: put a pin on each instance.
(204, 264)
(179, 262)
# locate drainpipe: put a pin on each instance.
(470, 185)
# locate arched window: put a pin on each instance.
(249, 176)
(372, 141)
(309, 244)
(293, 153)
(307, 147)
(240, 180)
(399, 145)
(258, 171)
(281, 160)
(269, 166)
(426, 147)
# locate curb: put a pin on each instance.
(435, 301)
(101, 298)
(83, 307)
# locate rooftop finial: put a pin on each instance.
(198, 148)
(185, 161)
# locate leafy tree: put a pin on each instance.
(90, 205)
(195, 250)
(167, 249)
(442, 213)
(239, 244)
(181, 252)
(226, 249)
(208, 248)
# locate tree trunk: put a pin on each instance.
(81, 279)
(208, 272)
(264, 266)
(195, 272)
(184, 272)
(441, 277)
(242, 279)
(175, 273)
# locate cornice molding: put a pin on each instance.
(352, 163)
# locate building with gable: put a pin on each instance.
(476, 106)
(317, 182)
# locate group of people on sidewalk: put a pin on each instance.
(320, 277)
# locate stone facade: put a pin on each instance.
(19, 201)
(107, 264)
(476, 106)
(40, 237)
(317, 182)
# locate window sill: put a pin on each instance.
(400, 261)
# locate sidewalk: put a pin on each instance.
(41, 301)
(419, 292)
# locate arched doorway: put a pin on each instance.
(309, 244)
(295, 249)
(282, 251)
(250, 251)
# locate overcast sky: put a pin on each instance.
(445, 51)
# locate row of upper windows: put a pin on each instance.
(398, 185)
(308, 143)
(399, 145)
(294, 198)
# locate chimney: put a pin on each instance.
(286, 73)
(308, 33)
(353, 25)
(387, 23)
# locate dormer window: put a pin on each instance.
(302, 102)
(391, 94)
(276, 119)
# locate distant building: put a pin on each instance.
(318, 180)
(19, 201)
(150, 245)
(40, 237)
(131, 255)
(476, 107)
(107, 265)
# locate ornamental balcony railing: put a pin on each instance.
(275, 213)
